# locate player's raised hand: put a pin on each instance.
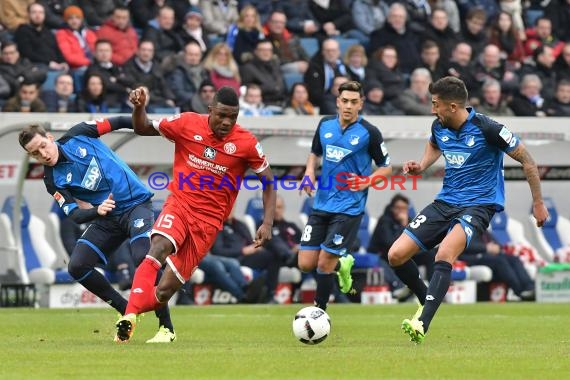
(107, 206)
(412, 167)
(138, 97)
(263, 234)
(540, 213)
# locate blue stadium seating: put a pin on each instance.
(345, 43)
(49, 84)
(253, 214)
(291, 79)
(310, 45)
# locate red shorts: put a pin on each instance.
(192, 238)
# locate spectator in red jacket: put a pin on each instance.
(540, 35)
(76, 42)
(123, 37)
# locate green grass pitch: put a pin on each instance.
(481, 341)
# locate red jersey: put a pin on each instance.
(208, 171)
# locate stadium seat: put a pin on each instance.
(345, 43)
(306, 209)
(12, 260)
(253, 214)
(364, 232)
(554, 235)
(310, 45)
(291, 79)
(53, 235)
(49, 84)
(39, 256)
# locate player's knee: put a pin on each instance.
(77, 269)
(396, 257)
(163, 294)
(160, 248)
(305, 265)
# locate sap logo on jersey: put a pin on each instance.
(92, 177)
(456, 159)
(336, 153)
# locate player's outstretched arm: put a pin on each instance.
(269, 200)
(141, 124)
(521, 154)
(431, 154)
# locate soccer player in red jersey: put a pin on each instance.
(211, 155)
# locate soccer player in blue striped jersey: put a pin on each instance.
(347, 145)
(473, 146)
(93, 185)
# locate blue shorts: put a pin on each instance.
(334, 233)
(433, 223)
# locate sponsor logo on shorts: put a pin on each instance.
(337, 239)
(138, 223)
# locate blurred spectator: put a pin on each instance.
(113, 76)
(484, 250)
(384, 68)
(323, 67)
(264, 70)
(515, 10)
(264, 7)
(286, 46)
(474, 32)
(188, 74)
(75, 41)
(333, 16)
(202, 99)
(4, 90)
(450, 7)
(234, 240)
(163, 35)
(37, 43)
(16, 70)
(490, 7)
(54, 12)
(562, 63)
(141, 70)
(328, 104)
(560, 105)
(492, 102)
(97, 11)
(355, 61)
(299, 103)
(490, 65)
(27, 100)
(416, 100)
(193, 30)
(542, 34)
(222, 66)
(369, 15)
(243, 36)
(439, 32)
(528, 101)
(418, 15)
(396, 33)
(460, 66)
(252, 102)
(431, 60)
(375, 104)
(224, 273)
(144, 11)
(543, 66)
(504, 34)
(123, 37)
(300, 19)
(14, 13)
(62, 98)
(558, 11)
(286, 231)
(219, 15)
(93, 96)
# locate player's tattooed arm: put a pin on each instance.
(539, 210)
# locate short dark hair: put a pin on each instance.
(449, 89)
(351, 86)
(399, 198)
(226, 96)
(27, 134)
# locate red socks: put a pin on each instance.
(143, 291)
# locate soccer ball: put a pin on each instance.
(311, 325)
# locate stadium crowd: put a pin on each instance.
(284, 56)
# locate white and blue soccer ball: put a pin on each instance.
(311, 325)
